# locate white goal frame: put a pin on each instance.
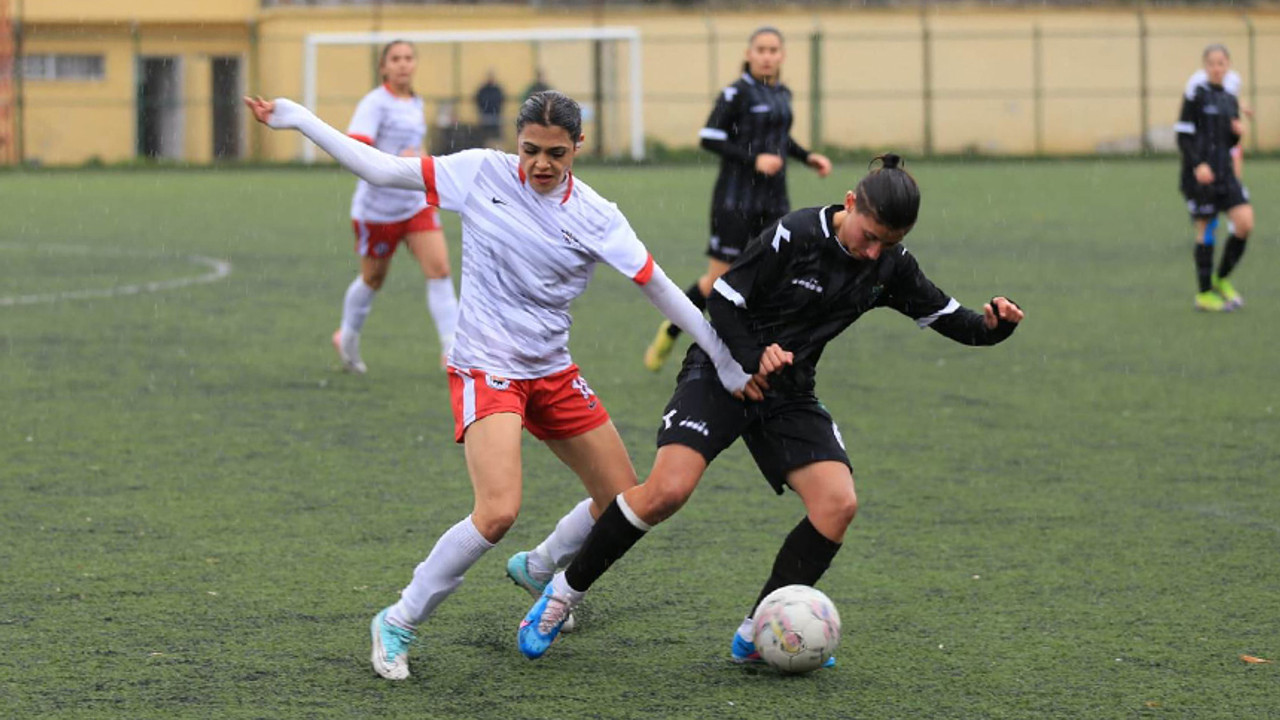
(629, 34)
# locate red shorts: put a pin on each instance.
(379, 240)
(552, 408)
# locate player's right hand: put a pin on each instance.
(1204, 174)
(773, 359)
(260, 108)
(767, 164)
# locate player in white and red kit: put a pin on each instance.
(390, 118)
(532, 235)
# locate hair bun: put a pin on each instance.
(890, 161)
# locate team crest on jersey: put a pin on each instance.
(497, 383)
(875, 291)
(572, 241)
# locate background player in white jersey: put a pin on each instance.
(531, 237)
(390, 118)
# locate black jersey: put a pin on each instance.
(1205, 134)
(751, 118)
(797, 286)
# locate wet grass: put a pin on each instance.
(199, 515)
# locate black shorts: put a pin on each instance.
(783, 433)
(1206, 201)
(731, 230)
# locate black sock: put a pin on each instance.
(1231, 256)
(805, 555)
(694, 293)
(610, 538)
(1204, 266)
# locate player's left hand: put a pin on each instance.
(820, 163)
(1004, 310)
(1237, 126)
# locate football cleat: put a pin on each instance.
(518, 571)
(744, 652)
(1210, 302)
(658, 351)
(542, 624)
(390, 647)
(1225, 290)
(348, 347)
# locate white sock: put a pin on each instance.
(747, 630)
(356, 305)
(560, 588)
(440, 574)
(443, 306)
(563, 544)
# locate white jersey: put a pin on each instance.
(392, 124)
(1230, 82)
(525, 257)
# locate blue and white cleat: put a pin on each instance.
(390, 647)
(543, 623)
(744, 652)
(518, 571)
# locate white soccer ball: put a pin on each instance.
(796, 628)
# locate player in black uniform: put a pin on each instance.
(798, 285)
(1208, 128)
(750, 129)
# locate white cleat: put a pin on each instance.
(390, 648)
(348, 347)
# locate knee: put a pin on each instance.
(493, 523)
(375, 279)
(837, 512)
(1243, 228)
(662, 498)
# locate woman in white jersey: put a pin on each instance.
(532, 234)
(390, 119)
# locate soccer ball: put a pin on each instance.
(796, 629)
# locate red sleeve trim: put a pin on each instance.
(646, 273)
(362, 138)
(429, 180)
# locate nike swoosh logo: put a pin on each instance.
(496, 201)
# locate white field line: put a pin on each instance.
(218, 269)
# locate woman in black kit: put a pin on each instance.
(1208, 127)
(750, 129)
(796, 287)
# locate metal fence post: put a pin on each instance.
(19, 90)
(1144, 89)
(815, 89)
(1253, 81)
(926, 92)
(1037, 86)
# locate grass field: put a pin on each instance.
(199, 515)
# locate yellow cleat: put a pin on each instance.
(1211, 302)
(658, 351)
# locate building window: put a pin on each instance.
(63, 67)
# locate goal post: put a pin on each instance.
(630, 35)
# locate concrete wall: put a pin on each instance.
(1010, 81)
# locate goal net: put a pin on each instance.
(600, 67)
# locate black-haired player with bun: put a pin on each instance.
(795, 287)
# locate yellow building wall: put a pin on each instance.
(1014, 81)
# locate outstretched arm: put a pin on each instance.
(676, 306)
(370, 164)
(998, 320)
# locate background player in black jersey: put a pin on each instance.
(1208, 127)
(795, 288)
(750, 129)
